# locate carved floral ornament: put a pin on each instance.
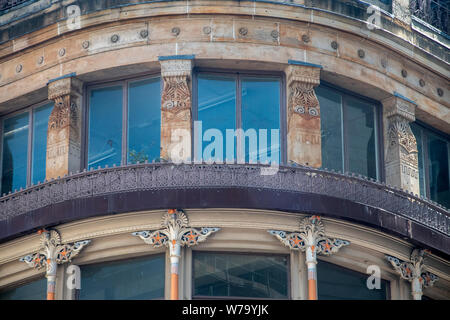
(176, 95)
(51, 249)
(175, 228)
(311, 234)
(400, 133)
(302, 98)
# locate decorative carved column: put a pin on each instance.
(175, 234)
(51, 253)
(64, 127)
(311, 239)
(401, 155)
(176, 112)
(303, 129)
(413, 272)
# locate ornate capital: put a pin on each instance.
(53, 252)
(311, 234)
(175, 230)
(401, 154)
(414, 272)
(304, 136)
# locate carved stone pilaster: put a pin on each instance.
(175, 233)
(413, 272)
(311, 239)
(303, 130)
(401, 155)
(51, 253)
(176, 112)
(64, 127)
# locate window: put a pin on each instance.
(124, 122)
(338, 283)
(240, 275)
(35, 290)
(248, 103)
(434, 165)
(136, 279)
(24, 149)
(349, 132)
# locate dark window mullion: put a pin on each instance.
(29, 147)
(240, 145)
(125, 122)
(426, 162)
(345, 134)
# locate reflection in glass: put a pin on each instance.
(417, 131)
(361, 137)
(105, 127)
(35, 290)
(240, 275)
(144, 120)
(337, 283)
(331, 128)
(137, 279)
(438, 169)
(40, 126)
(216, 110)
(261, 110)
(15, 152)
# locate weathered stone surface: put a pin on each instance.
(64, 128)
(401, 155)
(303, 129)
(176, 112)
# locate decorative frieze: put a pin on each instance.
(413, 272)
(303, 130)
(310, 238)
(176, 112)
(64, 127)
(51, 253)
(401, 155)
(175, 233)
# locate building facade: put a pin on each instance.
(224, 149)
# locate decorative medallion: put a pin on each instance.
(404, 73)
(361, 53)
(243, 31)
(115, 38)
(274, 34)
(62, 52)
(40, 60)
(176, 31)
(85, 44)
(334, 45)
(422, 83)
(440, 92)
(207, 30)
(19, 68)
(143, 33)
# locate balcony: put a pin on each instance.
(164, 185)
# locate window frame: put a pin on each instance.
(378, 127)
(124, 83)
(244, 253)
(238, 75)
(423, 127)
(30, 110)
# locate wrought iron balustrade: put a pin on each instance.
(435, 13)
(158, 176)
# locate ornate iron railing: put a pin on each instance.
(165, 176)
(435, 13)
(8, 4)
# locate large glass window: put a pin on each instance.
(434, 165)
(337, 283)
(136, 279)
(240, 118)
(240, 275)
(35, 290)
(113, 141)
(349, 132)
(20, 167)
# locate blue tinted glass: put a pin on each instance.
(337, 283)
(217, 113)
(240, 275)
(144, 120)
(36, 290)
(438, 169)
(361, 137)
(40, 126)
(105, 127)
(261, 111)
(137, 279)
(417, 131)
(15, 152)
(331, 128)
